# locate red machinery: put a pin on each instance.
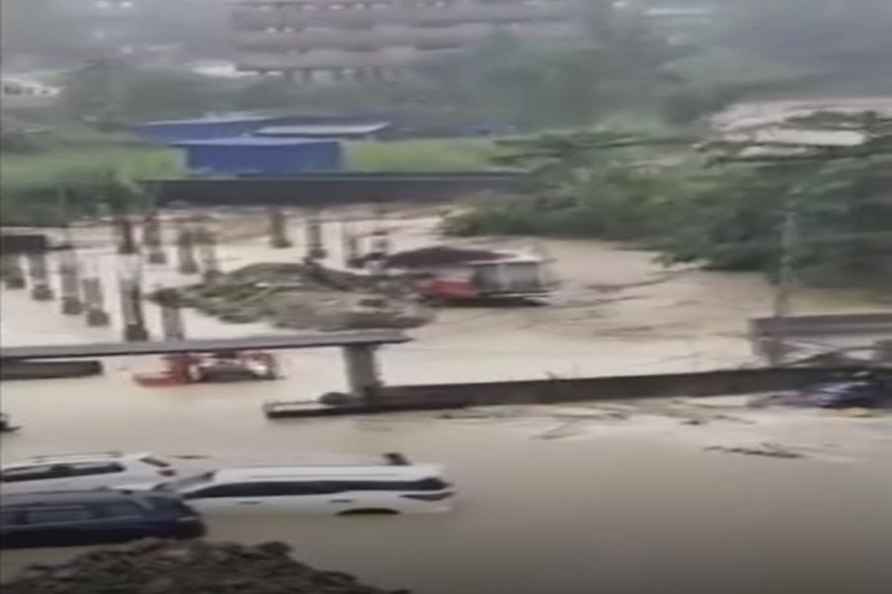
(190, 368)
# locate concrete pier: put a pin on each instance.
(94, 301)
(207, 246)
(126, 238)
(152, 239)
(40, 279)
(362, 371)
(70, 283)
(94, 296)
(278, 229)
(171, 314)
(315, 241)
(352, 255)
(187, 264)
(11, 269)
(130, 288)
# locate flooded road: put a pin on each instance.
(551, 499)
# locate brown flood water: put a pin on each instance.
(633, 505)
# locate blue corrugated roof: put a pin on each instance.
(253, 141)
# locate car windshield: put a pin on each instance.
(186, 483)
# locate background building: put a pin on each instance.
(376, 38)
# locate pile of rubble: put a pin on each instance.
(164, 567)
(303, 297)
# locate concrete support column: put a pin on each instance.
(315, 241)
(278, 228)
(70, 283)
(126, 237)
(352, 255)
(362, 371)
(152, 239)
(171, 314)
(187, 264)
(207, 246)
(40, 278)
(94, 300)
(11, 269)
(130, 287)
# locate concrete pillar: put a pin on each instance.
(278, 229)
(11, 269)
(126, 238)
(352, 256)
(70, 283)
(94, 300)
(152, 239)
(171, 314)
(207, 245)
(187, 263)
(130, 287)
(362, 371)
(40, 278)
(315, 241)
(883, 352)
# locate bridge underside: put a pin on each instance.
(320, 190)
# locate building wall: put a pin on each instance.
(239, 159)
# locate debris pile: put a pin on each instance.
(303, 297)
(198, 567)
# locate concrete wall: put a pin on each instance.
(713, 383)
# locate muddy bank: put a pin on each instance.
(302, 296)
(159, 567)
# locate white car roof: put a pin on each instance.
(329, 472)
(75, 457)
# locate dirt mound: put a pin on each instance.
(164, 567)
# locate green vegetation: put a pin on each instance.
(724, 209)
(420, 155)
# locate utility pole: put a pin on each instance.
(786, 281)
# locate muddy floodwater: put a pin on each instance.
(603, 498)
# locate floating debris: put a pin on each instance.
(768, 450)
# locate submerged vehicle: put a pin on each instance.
(224, 366)
(862, 394)
(6, 425)
(72, 518)
(392, 486)
(67, 472)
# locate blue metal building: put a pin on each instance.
(257, 156)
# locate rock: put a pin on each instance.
(167, 567)
(158, 586)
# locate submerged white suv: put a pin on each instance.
(74, 472)
(390, 488)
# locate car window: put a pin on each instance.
(263, 489)
(91, 468)
(30, 473)
(57, 515)
(120, 509)
(9, 518)
(428, 484)
(216, 491)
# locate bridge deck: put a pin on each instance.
(293, 341)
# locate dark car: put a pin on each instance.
(865, 394)
(70, 518)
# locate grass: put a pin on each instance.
(462, 154)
